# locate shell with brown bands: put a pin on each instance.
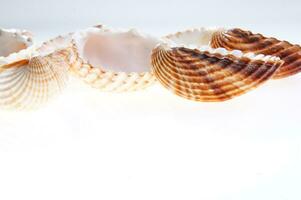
(247, 41)
(209, 75)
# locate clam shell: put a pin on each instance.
(13, 41)
(30, 83)
(114, 60)
(247, 41)
(31, 77)
(205, 74)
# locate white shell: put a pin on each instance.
(114, 60)
(13, 41)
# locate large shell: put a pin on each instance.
(205, 74)
(29, 78)
(247, 41)
(114, 60)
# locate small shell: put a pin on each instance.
(29, 83)
(29, 78)
(13, 41)
(207, 74)
(114, 60)
(246, 41)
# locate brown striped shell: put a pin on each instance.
(113, 60)
(205, 74)
(247, 41)
(31, 77)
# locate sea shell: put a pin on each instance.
(29, 78)
(247, 41)
(13, 41)
(201, 73)
(114, 60)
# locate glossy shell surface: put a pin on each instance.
(198, 72)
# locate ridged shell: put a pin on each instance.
(247, 41)
(29, 83)
(210, 75)
(121, 79)
(31, 77)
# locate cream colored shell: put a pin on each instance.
(118, 60)
(31, 77)
(13, 41)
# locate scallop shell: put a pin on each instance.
(114, 60)
(31, 77)
(201, 73)
(247, 41)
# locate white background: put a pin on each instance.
(152, 144)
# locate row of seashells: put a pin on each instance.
(204, 64)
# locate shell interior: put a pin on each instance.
(12, 41)
(116, 51)
(193, 37)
